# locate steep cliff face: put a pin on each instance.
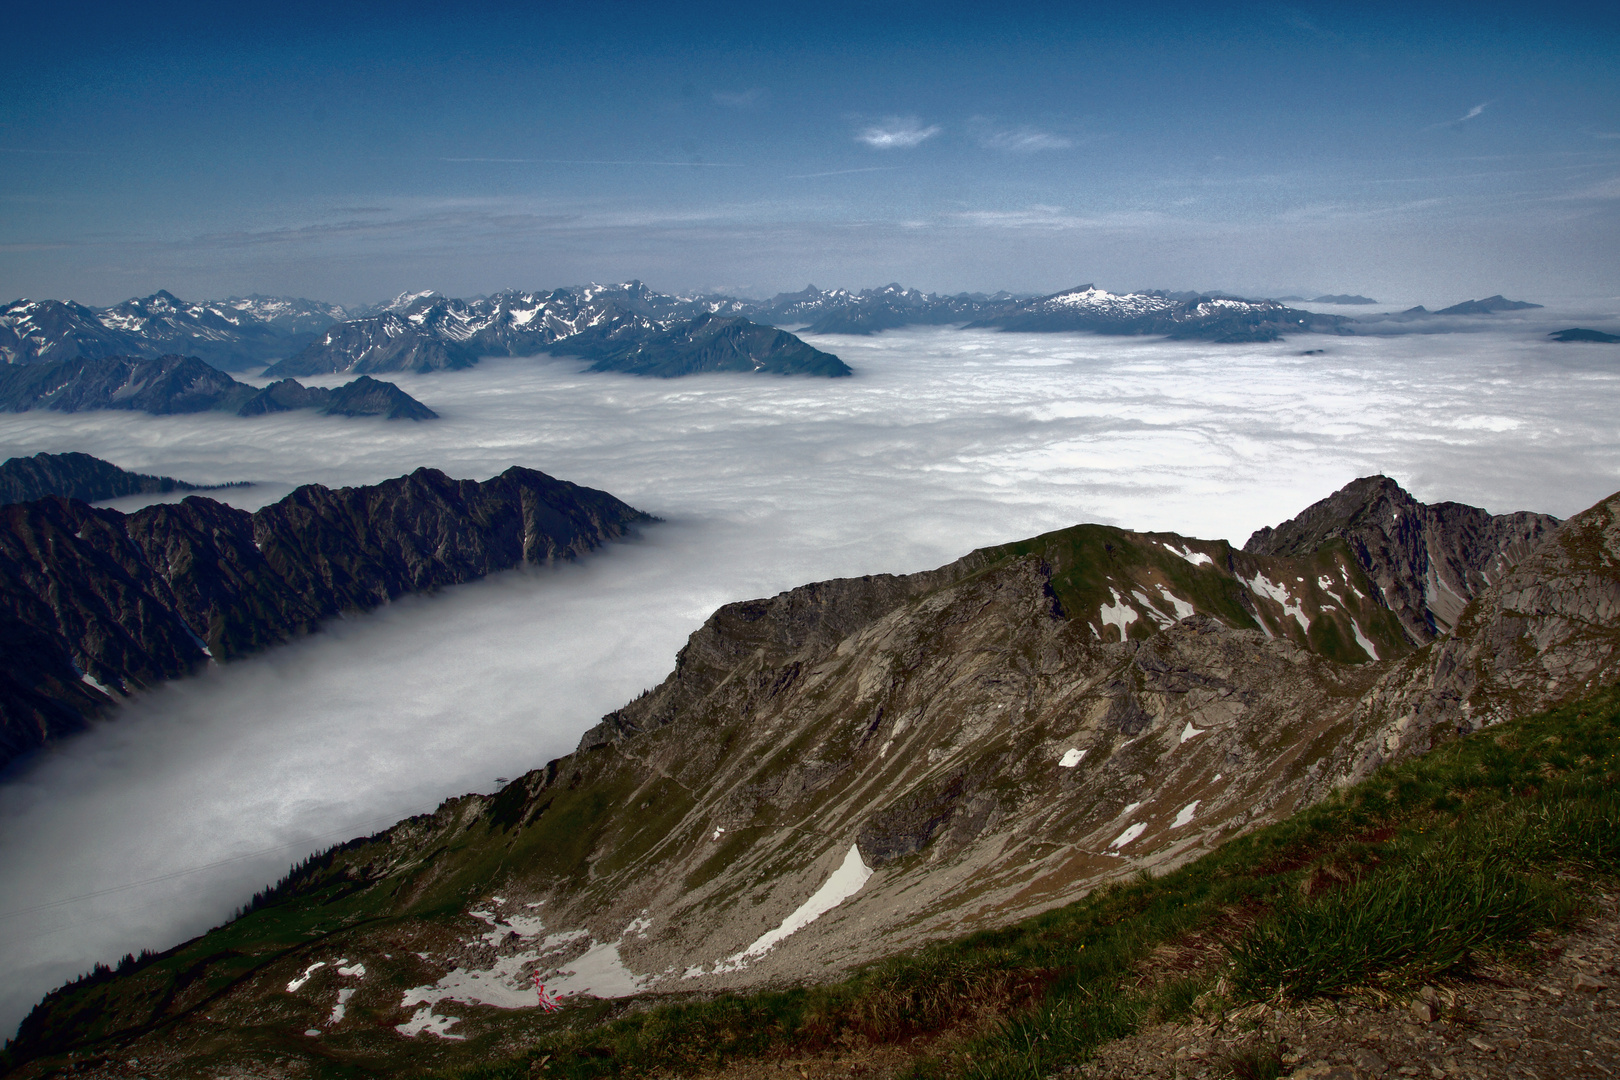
(1428, 560)
(856, 766)
(113, 602)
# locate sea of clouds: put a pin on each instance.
(155, 826)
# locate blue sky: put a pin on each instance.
(347, 153)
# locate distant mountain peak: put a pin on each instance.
(1488, 306)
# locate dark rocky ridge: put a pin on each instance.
(1488, 306)
(706, 343)
(80, 476)
(129, 600)
(166, 385)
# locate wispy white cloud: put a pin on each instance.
(1024, 140)
(1463, 119)
(897, 133)
(1603, 189)
(753, 98)
(1053, 218)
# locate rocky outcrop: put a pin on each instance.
(184, 384)
(103, 603)
(1428, 560)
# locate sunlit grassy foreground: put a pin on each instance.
(1423, 870)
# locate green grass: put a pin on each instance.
(1420, 871)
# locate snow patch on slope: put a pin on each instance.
(1118, 614)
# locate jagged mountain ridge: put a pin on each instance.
(232, 334)
(871, 311)
(95, 604)
(964, 747)
(1449, 551)
(167, 385)
(618, 328)
(83, 477)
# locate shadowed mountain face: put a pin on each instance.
(1428, 561)
(78, 476)
(857, 766)
(98, 603)
(184, 384)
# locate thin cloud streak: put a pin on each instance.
(1025, 140)
(1471, 114)
(569, 161)
(843, 172)
(897, 133)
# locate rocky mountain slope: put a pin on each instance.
(80, 476)
(95, 604)
(856, 766)
(230, 334)
(185, 384)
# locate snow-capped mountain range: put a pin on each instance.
(1211, 317)
(618, 327)
(232, 334)
(626, 327)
